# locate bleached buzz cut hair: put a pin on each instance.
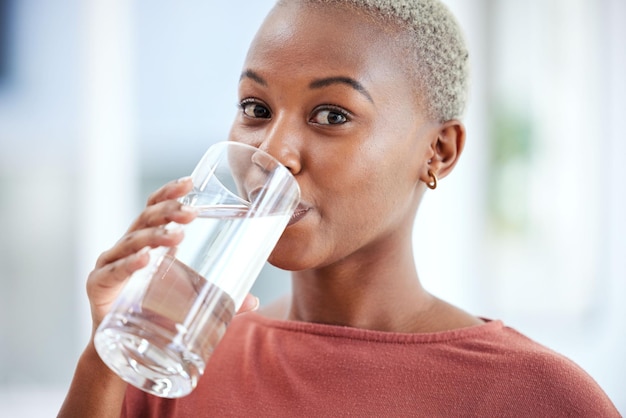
(438, 58)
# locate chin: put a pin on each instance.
(286, 263)
(290, 257)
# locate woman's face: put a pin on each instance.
(322, 91)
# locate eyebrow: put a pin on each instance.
(315, 84)
(254, 76)
(323, 82)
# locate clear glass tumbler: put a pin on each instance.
(169, 317)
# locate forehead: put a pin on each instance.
(328, 40)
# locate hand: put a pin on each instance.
(130, 253)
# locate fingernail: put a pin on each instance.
(139, 254)
(190, 209)
(257, 303)
(183, 179)
(172, 228)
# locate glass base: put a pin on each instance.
(145, 359)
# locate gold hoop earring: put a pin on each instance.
(432, 184)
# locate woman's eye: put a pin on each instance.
(330, 117)
(255, 110)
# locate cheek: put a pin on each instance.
(247, 135)
(360, 198)
(352, 182)
(389, 189)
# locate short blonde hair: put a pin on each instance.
(438, 56)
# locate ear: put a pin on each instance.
(445, 150)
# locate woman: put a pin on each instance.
(362, 101)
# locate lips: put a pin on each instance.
(298, 214)
(254, 194)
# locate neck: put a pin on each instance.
(377, 291)
(368, 291)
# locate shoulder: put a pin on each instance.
(548, 379)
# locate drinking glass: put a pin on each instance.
(169, 317)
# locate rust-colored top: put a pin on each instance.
(271, 368)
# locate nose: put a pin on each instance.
(282, 142)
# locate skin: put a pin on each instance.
(324, 95)
(95, 390)
(322, 91)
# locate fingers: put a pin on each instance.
(163, 213)
(149, 229)
(115, 267)
(162, 207)
(250, 303)
(105, 283)
(111, 274)
(133, 242)
(158, 225)
(171, 190)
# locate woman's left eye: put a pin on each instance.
(330, 116)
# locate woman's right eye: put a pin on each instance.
(255, 109)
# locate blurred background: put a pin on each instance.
(102, 101)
